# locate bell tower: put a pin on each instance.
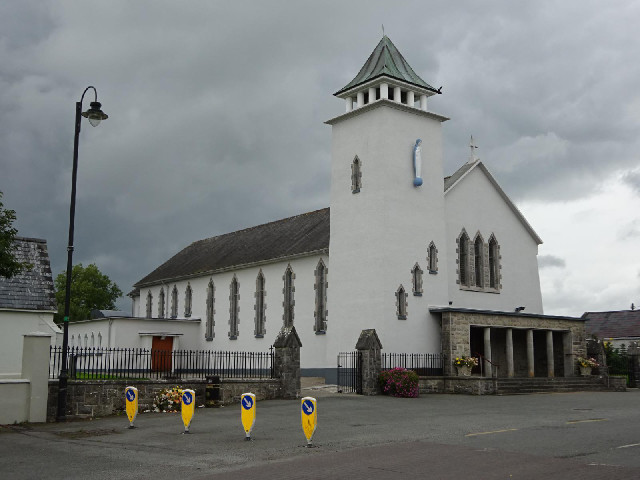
(387, 208)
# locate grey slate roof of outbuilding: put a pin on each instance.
(290, 237)
(615, 324)
(32, 288)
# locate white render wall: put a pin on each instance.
(378, 234)
(15, 324)
(476, 205)
(314, 346)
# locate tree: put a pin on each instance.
(9, 265)
(90, 289)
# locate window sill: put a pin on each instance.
(433, 272)
(209, 339)
(402, 317)
(417, 294)
(479, 289)
(233, 337)
(320, 332)
(260, 335)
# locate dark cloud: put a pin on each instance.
(632, 179)
(546, 261)
(217, 109)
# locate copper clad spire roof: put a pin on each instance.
(386, 60)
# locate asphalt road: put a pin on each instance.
(551, 436)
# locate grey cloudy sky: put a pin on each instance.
(217, 109)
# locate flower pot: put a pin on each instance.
(585, 371)
(463, 371)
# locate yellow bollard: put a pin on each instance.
(309, 409)
(131, 399)
(248, 413)
(188, 407)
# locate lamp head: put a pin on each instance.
(95, 115)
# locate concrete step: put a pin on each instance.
(512, 386)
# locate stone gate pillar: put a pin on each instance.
(286, 361)
(370, 348)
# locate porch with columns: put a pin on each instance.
(513, 343)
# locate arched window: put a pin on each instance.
(494, 263)
(356, 175)
(260, 307)
(149, 313)
(161, 303)
(463, 258)
(174, 302)
(288, 302)
(401, 303)
(432, 259)
(234, 308)
(188, 295)
(320, 313)
(416, 280)
(478, 261)
(211, 290)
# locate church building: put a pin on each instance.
(434, 264)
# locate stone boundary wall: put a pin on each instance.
(99, 398)
(463, 385)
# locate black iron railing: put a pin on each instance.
(350, 372)
(141, 363)
(424, 364)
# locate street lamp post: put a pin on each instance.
(95, 115)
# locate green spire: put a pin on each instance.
(386, 60)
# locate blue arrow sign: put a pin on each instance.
(307, 407)
(247, 402)
(187, 398)
(131, 395)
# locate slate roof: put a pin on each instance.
(31, 289)
(289, 237)
(616, 324)
(386, 60)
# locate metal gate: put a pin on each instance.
(350, 372)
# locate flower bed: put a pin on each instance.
(399, 382)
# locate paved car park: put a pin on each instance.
(561, 435)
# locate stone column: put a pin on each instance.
(372, 94)
(423, 102)
(569, 363)
(510, 369)
(286, 361)
(487, 351)
(530, 365)
(550, 362)
(397, 95)
(359, 99)
(35, 368)
(370, 348)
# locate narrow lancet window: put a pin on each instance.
(401, 303)
(478, 254)
(288, 302)
(211, 290)
(356, 175)
(463, 259)
(188, 296)
(494, 263)
(260, 306)
(149, 312)
(174, 302)
(161, 304)
(234, 308)
(320, 314)
(416, 280)
(433, 258)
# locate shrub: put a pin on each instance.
(399, 382)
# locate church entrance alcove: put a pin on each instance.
(161, 350)
(476, 344)
(558, 354)
(540, 353)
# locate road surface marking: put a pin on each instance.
(630, 445)
(489, 433)
(589, 420)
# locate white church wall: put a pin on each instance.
(304, 306)
(378, 234)
(475, 205)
